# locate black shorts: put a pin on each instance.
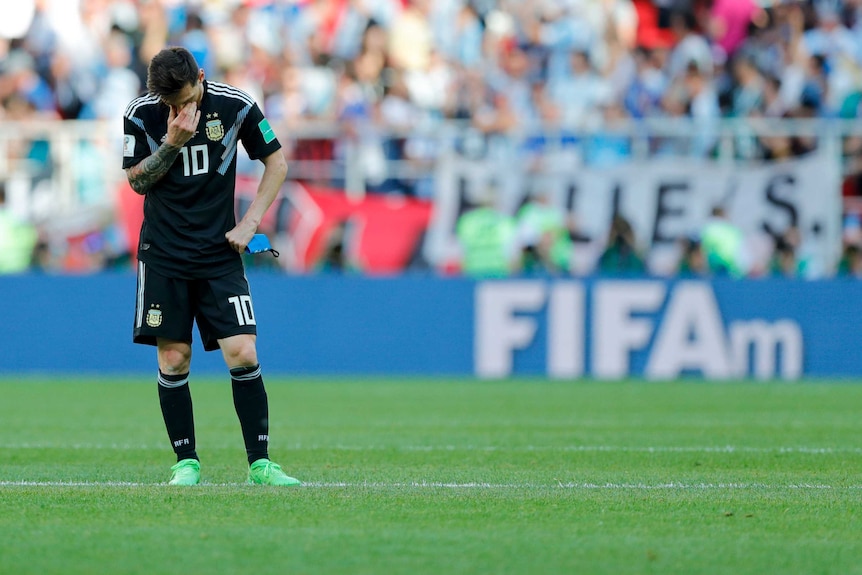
(167, 307)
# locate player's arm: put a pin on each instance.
(149, 170)
(181, 127)
(274, 173)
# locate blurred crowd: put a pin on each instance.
(497, 62)
(499, 66)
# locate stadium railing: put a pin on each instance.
(59, 168)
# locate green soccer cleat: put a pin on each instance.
(265, 472)
(186, 472)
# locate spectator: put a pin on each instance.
(195, 39)
(749, 94)
(19, 78)
(850, 265)
(643, 95)
(784, 263)
(836, 50)
(411, 38)
(400, 115)
(487, 238)
(621, 255)
(339, 253)
(544, 235)
(467, 41)
(729, 21)
(691, 49)
(774, 105)
(692, 262)
(31, 156)
(580, 93)
(73, 88)
(723, 245)
(17, 239)
(693, 96)
(118, 84)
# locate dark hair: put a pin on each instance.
(170, 71)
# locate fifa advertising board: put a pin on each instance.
(647, 328)
(425, 325)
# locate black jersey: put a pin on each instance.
(188, 211)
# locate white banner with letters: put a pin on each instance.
(664, 199)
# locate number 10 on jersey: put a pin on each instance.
(196, 160)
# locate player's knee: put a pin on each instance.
(242, 352)
(174, 360)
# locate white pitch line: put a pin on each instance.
(487, 448)
(678, 486)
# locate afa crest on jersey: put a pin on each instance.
(215, 129)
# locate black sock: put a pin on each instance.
(176, 401)
(252, 408)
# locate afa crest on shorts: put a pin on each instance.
(214, 128)
(154, 317)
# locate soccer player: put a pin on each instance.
(179, 151)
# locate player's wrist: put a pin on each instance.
(172, 145)
(249, 223)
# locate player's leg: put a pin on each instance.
(175, 399)
(164, 318)
(226, 320)
(252, 408)
(249, 394)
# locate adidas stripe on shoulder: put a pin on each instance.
(230, 92)
(145, 100)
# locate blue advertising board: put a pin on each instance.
(422, 325)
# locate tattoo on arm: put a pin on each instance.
(146, 173)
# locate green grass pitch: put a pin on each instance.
(440, 477)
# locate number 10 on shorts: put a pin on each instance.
(242, 306)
